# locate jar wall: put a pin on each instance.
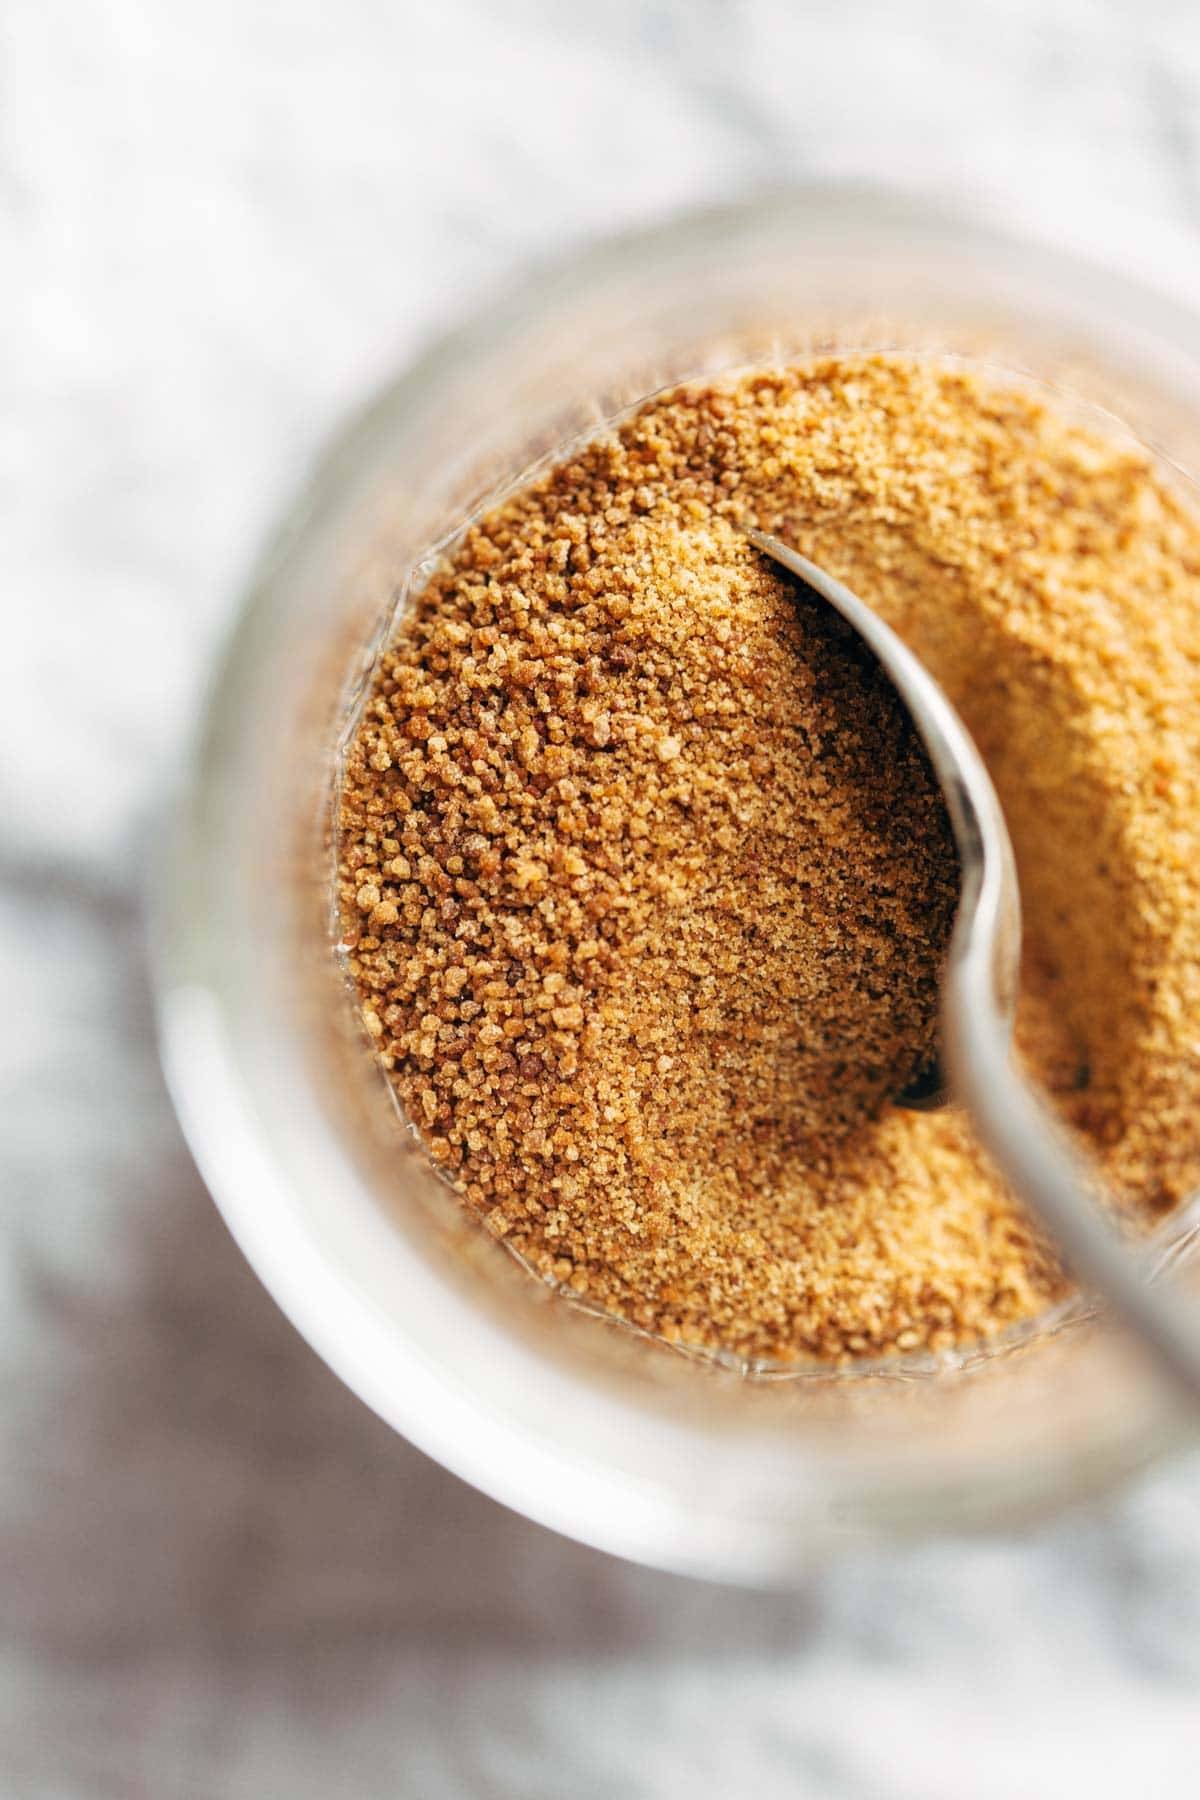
(587, 1426)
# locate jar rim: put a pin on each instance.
(801, 1505)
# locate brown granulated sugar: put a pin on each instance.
(645, 882)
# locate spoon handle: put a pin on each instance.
(1057, 1181)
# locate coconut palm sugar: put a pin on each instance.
(645, 882)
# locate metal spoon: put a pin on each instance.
(979, 989)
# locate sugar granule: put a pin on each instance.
(647, 883)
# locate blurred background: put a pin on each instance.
(220, 1577)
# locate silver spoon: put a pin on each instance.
(979, 990)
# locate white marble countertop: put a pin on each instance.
(222, 1578)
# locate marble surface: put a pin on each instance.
(222, 1578)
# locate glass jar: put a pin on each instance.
(683, 1461)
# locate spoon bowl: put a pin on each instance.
(975, 1065)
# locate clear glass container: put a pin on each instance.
(681, 1461)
